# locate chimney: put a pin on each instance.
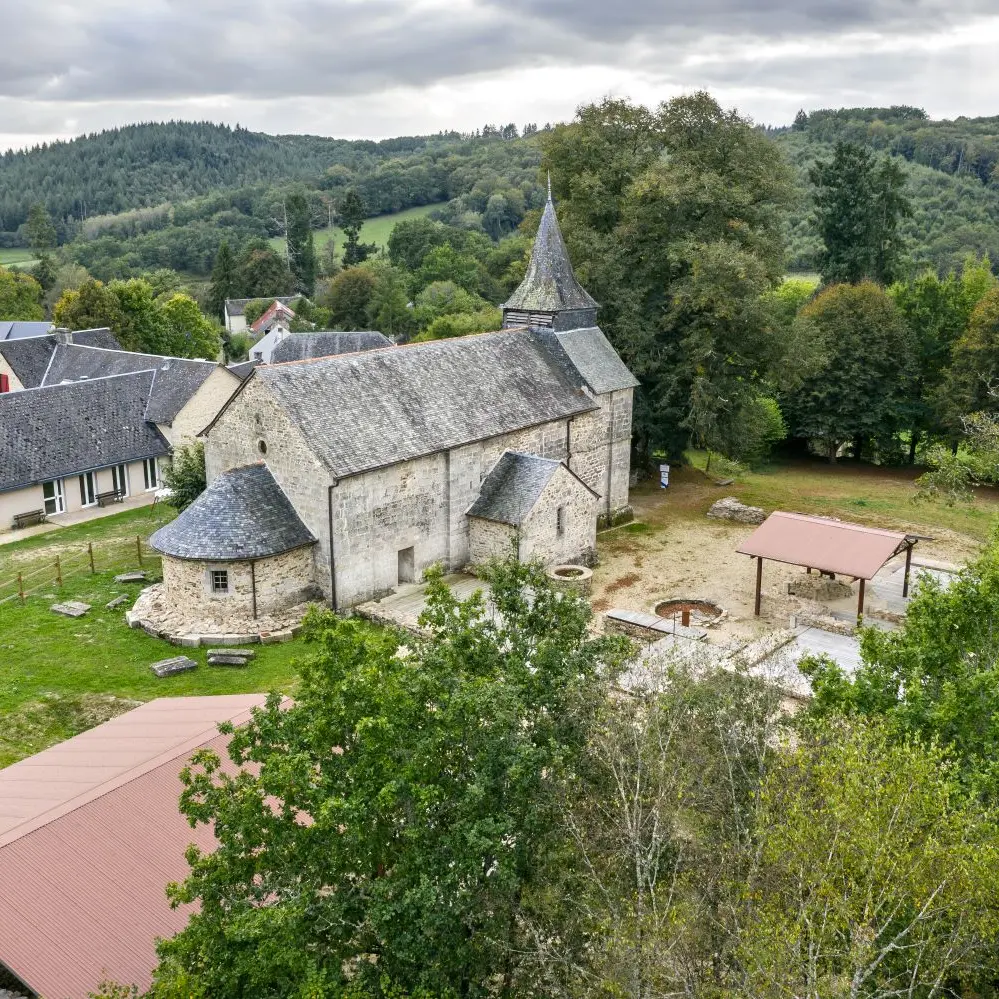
(63, 335)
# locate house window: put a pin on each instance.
(560, 522)
(150, 473)
(119, 479)
(88, 489)
(53, 496)
(218, 581)
(4, 382)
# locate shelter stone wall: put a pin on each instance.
(569, 538)
(488, 539)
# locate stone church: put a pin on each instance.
(347, 476)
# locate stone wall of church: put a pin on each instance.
(488, 539)
(600, 449)
(571, 537)
(254, 429)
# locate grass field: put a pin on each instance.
(376, 230)
(24, 258)
(62, 675)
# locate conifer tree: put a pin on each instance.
(224, 279)
(301, 245)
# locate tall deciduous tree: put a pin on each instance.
(262, 273)
(91, 306)
(301, 244)
(20, 296)
(40, 230)
(862, 387)
(859, 203)
(351, 213)
(225, 280)
(972, 383)
(188, 332)
(397, 823)
(673, 217)
(350, 297)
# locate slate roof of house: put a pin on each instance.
(367, 410)
(29, 357)
(513, 487)
(588, 354)
(550, 284)
(17, 328)
(90, 834)
(237, 306)
(177, 378)
(47, 433)
(305, 346)
(243, 514)
(243, 368)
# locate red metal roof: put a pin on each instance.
(90, 835)
(820, 543)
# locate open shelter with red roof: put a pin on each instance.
(832, 547)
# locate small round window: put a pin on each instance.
(262, 446)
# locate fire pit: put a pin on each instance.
(702, 613)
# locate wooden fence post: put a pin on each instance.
(58, 571)
(138, 549)
(20, 588)
(90, 555)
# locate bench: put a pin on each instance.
(28, 518)
(111, 496)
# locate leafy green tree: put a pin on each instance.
(673, 218)
(972, 381)
(20, 296)
(462, 323)
(225, 280)
(861, 390)
(351, 213)
(412, 239)
(389, 308)
(875, 875)
(350, 296)
(262, 272)
(301, 243)
(859, 205)
(444, 298)
(188, 332)
(40, 230)
(92, 306)
(444, 263)
(185, 476)
(142, 326)
(936, 679)
(398, 821)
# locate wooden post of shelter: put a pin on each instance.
(759, 583)
(908, 567)
(860, 603)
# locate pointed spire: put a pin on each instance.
(550, 287)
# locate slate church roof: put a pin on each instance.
(587, 354)
(29, 357)
(67, 429)
(513, 487)
(243, 514)
(305, 346)
(177, 378)
(362, 411)
(550, 284)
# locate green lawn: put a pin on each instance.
(62, 675)
(376, 230)
(16, 256)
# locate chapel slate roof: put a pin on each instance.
(177, 378)
(305, 346)
(362, 411)
(550, 284)
(17, 328)
(242, 369)
(512, 488)
(591, 355)
(47, 433)
(243, 514)
(29, 357)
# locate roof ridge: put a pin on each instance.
(131, 353)
(80, 381)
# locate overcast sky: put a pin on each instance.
(376, 68)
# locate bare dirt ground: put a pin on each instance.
(675, 551)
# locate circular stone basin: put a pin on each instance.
(689, 611)
(568, 572)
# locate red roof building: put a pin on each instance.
(90, 835)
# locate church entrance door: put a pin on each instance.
(407, 565)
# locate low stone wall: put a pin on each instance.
(159, 616)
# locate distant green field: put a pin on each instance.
(376, 230)
(17, 256)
